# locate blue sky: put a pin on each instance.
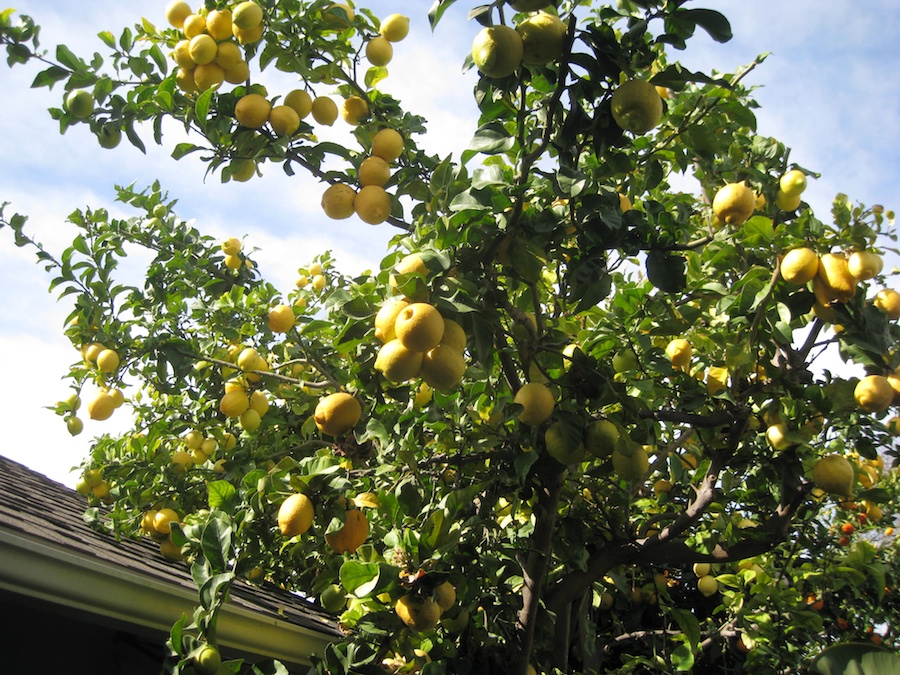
(830, 90)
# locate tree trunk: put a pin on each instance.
(534, 571)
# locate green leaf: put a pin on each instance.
(492, 139)
(49, 77)
(711, 21)
(216, 542)
(851, 656)
(357, 575)
(437, 11)
(65, 56)
(221, 492)
(688, 625)
(683, 658)
(202, 107)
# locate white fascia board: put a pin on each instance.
(34, 568)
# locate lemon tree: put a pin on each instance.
(576, 421)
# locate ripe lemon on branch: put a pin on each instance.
(734, 203)
(799, 265)
(543, 38)
(636, 106)
(338, 413)
(835, 475)
(497, 51)
(394, 27)
(295, 515)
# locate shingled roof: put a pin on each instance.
(51, 554)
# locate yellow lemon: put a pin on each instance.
(242, 170)
(601, 437)
(182, 55)
(379, 51)
(387, 144)
(193, 25)
(708, 585)
(561, 447)
(246, 16)
(679, 352)
(837, 284)
(300, 101)
(295, 515)
(284, 120)
(398, 363)
(101, 407)
(636, 106)
(874, 393)
(208, 75)
(338, 16)
(443, 367)
(787, 202)
(338, 201)
(632, 464)
(338, 413)
(163, 519)
(793, 182)
(835, 475)
(176, 12)
(497, 51)
(281, 318)
(454, 336)
(250, 420)
(386, 318)
(238, 73)
(799, 265)
(373, 204)
(108, 361)
(537, 403)
(324, 110)
(202, 49)
(418, 612)
(734, 203)
(888, 301)
(419, 327)
(543, 38)
(352, 535)
(394, 27)
(445, 596)
(374, 171)
(248, 36)
(234, 403)
(354, 110)
(864, 265)
(219, 24)
(252, 111)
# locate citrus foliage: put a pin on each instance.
(562, 248)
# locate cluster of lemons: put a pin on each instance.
(418, 342)
(92, 484)
(210, 53)
(734, 203)
(372, 203)
(255, 111)
(157, 523)
(239, 401)
(314, 276)
(499, 50)
(199, 449)
(422, 611)
(296, 514)
(106, 400)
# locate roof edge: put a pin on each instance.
(34, 568)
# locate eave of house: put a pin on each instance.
(35, 568)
